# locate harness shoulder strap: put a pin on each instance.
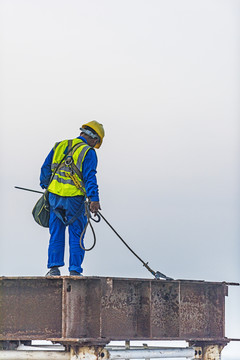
(69, 150)
(77, 167)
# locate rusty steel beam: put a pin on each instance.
(30, 308)
(96, 310)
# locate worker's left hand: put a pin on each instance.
(94, 207)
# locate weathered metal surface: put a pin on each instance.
(82, 309)
(30, 308)
(202, 310)
(125, 308)
(95, 310)
(165, 320)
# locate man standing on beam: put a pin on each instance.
(74, 180)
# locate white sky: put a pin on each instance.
(163, 78)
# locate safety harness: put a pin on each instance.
(74, 174)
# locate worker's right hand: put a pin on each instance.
(94, 207)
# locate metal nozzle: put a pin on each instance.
(159, 275)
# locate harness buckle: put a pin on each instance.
(68, 161)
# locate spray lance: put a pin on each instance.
(157, 274)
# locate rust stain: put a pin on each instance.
(95, 310)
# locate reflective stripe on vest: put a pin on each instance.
(62, 184)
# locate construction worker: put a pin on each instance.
(74, 163)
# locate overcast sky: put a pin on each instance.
(163, 78)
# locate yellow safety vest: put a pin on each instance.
(68, 180)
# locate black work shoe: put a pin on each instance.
(54, 271)
(74, 273)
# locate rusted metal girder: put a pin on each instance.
(95, 310)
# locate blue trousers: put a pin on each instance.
(66, 208)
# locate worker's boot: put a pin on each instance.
(74, 273)
(54, 271)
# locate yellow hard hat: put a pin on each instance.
(98, 128)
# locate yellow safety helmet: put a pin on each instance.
(98, 128)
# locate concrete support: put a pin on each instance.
(212, 352)
(86, 353)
